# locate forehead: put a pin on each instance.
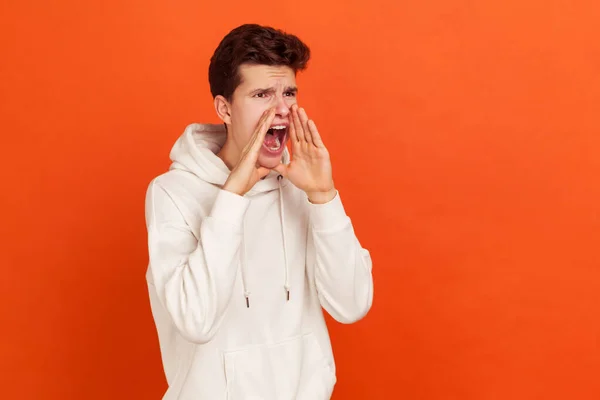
(265, 76)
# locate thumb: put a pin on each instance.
(282, 169)
(262, 172)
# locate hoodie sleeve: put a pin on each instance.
(194, 279)
(342, 268)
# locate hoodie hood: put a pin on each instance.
(196, 151)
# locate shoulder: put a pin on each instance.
(189, 195)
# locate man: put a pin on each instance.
(246, 245)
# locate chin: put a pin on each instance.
(269, 158)
(269, 162)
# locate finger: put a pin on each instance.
(256, 132)
(262, 172)
(261, 132)
(298, 125)
(281, 169)
(263, 125)
(304, 122)
(292, 128)
(316, 137)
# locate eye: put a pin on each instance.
(260, 95)
(290, 94)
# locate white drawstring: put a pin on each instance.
(287, 274)
(243, 260)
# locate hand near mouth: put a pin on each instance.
(310, 166)
(247, 171)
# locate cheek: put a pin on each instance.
(245, 118)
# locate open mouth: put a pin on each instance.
(275, 138)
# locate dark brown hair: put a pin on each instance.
(256, 45)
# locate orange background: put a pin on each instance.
(466, 143)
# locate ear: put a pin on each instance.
(223, 109)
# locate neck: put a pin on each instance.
(229, 155)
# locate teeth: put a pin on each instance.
(277, 145)
(278, 127)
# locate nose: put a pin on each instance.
(282, 109)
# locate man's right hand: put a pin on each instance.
(247, 173)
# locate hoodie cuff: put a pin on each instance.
(328, 216)
(230, 208)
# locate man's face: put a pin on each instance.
(262, 87)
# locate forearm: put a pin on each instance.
(342, 268)
(195, 279)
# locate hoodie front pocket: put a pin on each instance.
(294, 369)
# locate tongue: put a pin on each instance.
(270, 140)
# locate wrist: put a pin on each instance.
(228, 188)
(322, 197)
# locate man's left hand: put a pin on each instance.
(310, 166)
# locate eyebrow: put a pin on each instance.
(293, 89)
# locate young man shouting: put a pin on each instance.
(248, 245)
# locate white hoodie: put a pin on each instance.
(237, 283)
